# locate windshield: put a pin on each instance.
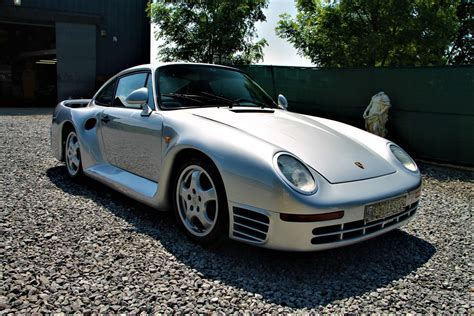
(184, 86)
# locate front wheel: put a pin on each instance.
(73, 156)
(200, 202)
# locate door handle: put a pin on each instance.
(105, 119)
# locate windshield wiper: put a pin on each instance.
(203, 94)
(191, 97)
(237, 101)
(261, 104)
(218, 97)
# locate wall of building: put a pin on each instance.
(120, 28)
(432, 112)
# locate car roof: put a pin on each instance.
(154, 66)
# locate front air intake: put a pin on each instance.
(351, 230)
(250, 225)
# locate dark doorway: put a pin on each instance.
(27, 65)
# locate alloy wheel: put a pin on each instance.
(197, 200)
(73, 155)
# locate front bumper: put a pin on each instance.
(266, 229)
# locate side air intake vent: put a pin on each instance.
(250, 226)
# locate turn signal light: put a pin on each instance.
(312, 217)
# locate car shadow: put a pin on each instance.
(297, 280)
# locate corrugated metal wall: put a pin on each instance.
(432, 112)
(76, 68)
(123, 19)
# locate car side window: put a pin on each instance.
(149, 86)
(106, 96)
(127, 85)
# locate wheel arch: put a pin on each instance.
(178, 158)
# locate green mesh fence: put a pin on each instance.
(432, 114)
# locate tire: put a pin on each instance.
(200, 202)
(72, 156)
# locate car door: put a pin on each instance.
(132, 141)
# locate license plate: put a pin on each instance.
(380, 210)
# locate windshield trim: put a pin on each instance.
(272, 105)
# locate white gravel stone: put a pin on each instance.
(69, 247)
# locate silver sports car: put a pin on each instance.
(206, 142)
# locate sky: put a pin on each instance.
(278, 51)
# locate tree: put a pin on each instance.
(209, 31)
(462, 51)
(354, 33)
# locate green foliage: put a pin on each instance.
(462, 51)
(209, 31)
(354, 33)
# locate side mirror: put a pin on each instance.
(146, 110)
(139, 97)
(282, 102)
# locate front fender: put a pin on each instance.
(243, 161)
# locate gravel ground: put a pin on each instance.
(69, 247)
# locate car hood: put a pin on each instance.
(329, 152)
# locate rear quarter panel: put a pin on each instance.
(63, 114)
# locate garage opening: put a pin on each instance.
(27, 65)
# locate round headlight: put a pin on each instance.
(296, 174)
(403, 157)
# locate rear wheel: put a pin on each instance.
(200, 202)
(72, 153)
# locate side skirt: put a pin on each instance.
(136, 187)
